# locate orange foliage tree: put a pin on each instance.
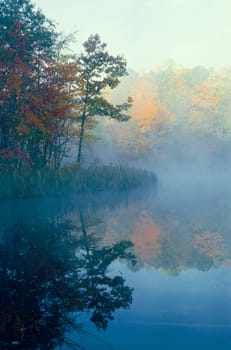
(36, 89)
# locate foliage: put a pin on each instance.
(33, 100)
(98, 70)
(47, 95)
(178, 113)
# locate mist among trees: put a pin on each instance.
(179, 115)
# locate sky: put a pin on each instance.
(148, 33)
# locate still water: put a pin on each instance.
(141, 270)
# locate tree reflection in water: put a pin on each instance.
(50, 270)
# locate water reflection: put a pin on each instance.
(51, 268)
(66, 258)
(175, 234)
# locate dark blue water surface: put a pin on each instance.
(122, 271)
(192, 310)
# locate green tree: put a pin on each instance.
(98, 70)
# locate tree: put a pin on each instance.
(35, 88)
(97, 70)
(25, 38)
(45, 93)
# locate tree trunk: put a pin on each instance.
(81, 138)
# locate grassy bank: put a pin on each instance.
(73, 179)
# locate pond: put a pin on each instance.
(118, 271)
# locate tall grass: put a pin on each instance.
(74, 179)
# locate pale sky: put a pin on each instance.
(150, 32)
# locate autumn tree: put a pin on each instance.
(24, 35)
(35, 88)
(98, 70)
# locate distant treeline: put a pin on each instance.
(178, 113)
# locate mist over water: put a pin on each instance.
(115, 193)
(185, 168)
(174, 285)
(182, 242)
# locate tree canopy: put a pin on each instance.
(45, 92)
(98, 70)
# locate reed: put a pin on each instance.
(74, 179)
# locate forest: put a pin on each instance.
(49, 98)
(178, 114)
(67, 116)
